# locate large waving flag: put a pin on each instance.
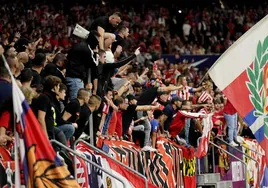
(33, 152)
(242, 74)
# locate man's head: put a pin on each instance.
(115, 19)
(13, 64)
(60, 60)
(23, 57)
(186, 105)
(94, 102)
(39, 60)
(137, 87)
(163, 96)
(10, 51)
(131, 99)
(158, 114)
(177, 101)
(102, 56)
(123, 31)
(83, 95)
(62, 92)
(131, 77)
(26, 75)
(52, 84)
(119, 102)
(109, 93)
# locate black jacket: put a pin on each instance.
(80, 59)
(106, 71)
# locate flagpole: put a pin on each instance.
(17, 168)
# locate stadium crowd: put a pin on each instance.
(116, 74)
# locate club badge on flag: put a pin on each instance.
(33, 152)
(241, 73)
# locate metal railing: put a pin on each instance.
(105, 154)
(245, 165)
(258, 178)
(179, 180)
(89, 161)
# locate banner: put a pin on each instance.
(252, 166)
(162, 168)
(90, 176)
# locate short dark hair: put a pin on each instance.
(63, 87)
(122, 28)
(157, 114)
(108, 89)
(59, 57)
(51, 82)
(118, 101)
(26, 75)
(39, 60)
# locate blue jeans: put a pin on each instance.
(68, 130)
(74, 84)
(187, 129)
(231, 123)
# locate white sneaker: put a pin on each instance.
(181, 140)
(84, 136)
(148, 148)
(233, 144)
(240, 139)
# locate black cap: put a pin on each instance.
(39, 59)
(174, 99)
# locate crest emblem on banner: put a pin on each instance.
(258, 80)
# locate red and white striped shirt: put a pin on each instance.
(204, 97)
(185, 93)
(106, 107)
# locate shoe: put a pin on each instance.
(233, 144)
(84, 136)
(239, 139)
(181, 141)
(148, 148)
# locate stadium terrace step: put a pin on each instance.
(212, 180)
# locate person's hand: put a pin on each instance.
(146, 70)
(144, 118)
(4, 139)
(156, 107)
(1, 50)
(137, 51)
(75, 125)
(119, 49)
(204, 116)
(89, 86)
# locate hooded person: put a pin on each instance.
(82, 64)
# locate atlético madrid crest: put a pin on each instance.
(258, 80)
